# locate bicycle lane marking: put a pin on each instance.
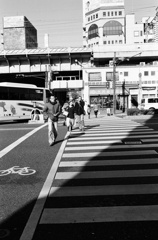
(33, 220)
(20, 140)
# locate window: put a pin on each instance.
(35, 94)
(4, 94)
(146, 73)
(152, 73)
(112, 13)
(125, 74)
(104, 14)
(20, 94)
(108, 42)
(97, 15)
(108, 14)
(109, 76)
(66, 78)
(120, 13)
(95, 76)
(115, 41)
(89, 19)
(120, 41)
(105, 42)
(112, 42)
(136, 33)
(153, 95)
(93, 31)
(93, 16)
(112, 28)
(115, 13)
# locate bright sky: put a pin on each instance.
(62, 19)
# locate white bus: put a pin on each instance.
(20, 101)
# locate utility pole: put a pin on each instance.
(140, 90)
(114, 83)
(46, 77)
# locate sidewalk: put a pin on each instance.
(119, 114)
(124, 115)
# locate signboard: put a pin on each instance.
(95, 76)
(148, 88)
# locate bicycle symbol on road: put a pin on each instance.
(17, 170)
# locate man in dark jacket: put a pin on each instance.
(79, 113)
(52, 110)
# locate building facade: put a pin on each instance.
(19, 33)
(105, 23)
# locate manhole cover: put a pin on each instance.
(132, 142)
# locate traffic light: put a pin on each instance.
(92, 59)
(107, 85)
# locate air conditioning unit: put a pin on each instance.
(142, 63)
(155, 63)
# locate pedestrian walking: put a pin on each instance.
(70, 118)
(79, 113)
(96, 109)
(52, 110)
(108, 108)
(89, 111)
(66, 104)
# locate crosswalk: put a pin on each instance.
(107, 175)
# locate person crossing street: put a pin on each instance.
(52, 110)
(79, 113)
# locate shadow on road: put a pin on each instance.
(111, 169)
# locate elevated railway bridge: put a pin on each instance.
(72, 69)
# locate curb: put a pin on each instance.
(137, 117)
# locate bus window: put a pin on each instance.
(4, 93)
(13, 94)
(36, 94)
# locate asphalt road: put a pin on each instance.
(18, 193)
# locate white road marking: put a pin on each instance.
(94, 142)
(111, 133)
(20, 140)
(106, 154)
(82, 137)
(109, 146)
(107, 174)
(116, 130)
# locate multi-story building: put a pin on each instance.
(105, 23)
(18, 33)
